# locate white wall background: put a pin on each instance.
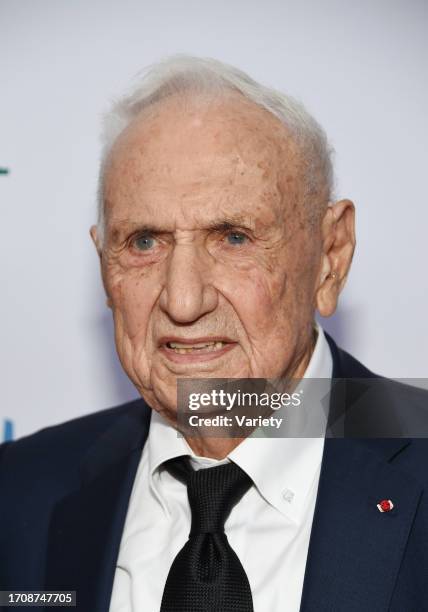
(360, 67)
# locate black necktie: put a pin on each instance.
(206, 575)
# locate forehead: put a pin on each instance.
(183, 162)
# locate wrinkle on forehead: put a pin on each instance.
(221, 153)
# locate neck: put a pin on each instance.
(215, 448)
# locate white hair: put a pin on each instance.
(181, 74)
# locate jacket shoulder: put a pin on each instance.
(59, 447)
(346, 365)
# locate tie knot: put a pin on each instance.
(212, 492)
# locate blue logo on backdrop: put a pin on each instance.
(7, 430)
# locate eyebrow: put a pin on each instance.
(221, 224)
(230, 223)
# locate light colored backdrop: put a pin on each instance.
(360, 68)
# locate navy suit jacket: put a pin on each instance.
(64, 493)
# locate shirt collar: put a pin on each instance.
(282, 469)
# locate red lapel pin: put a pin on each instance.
(385, 505)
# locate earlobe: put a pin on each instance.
(328, 294)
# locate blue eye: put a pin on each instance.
(144, 243)
(236, 238)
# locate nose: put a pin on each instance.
(187, 294)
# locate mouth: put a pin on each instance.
(203, 347)
(197, 349)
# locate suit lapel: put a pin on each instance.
(355, 551)
(86, 526)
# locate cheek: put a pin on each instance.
(258, 300)
(133, 301)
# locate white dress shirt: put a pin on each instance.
(269, 528)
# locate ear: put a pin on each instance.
(338, 237)
(97, 242)
(96, 239)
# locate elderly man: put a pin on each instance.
(218, 240)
